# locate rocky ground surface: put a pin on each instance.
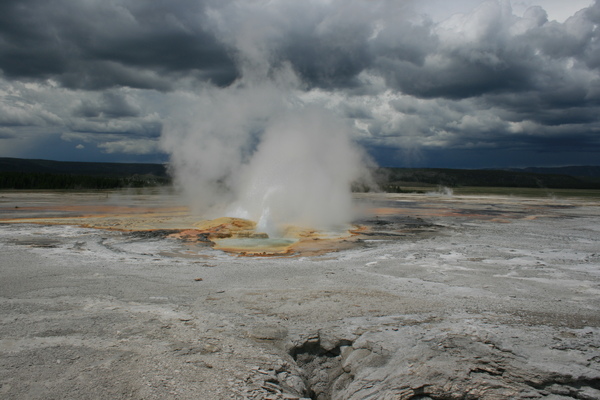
(442, 298)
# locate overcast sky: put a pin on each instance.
(428, 83)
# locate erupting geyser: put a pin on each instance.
(300, 174)
(262, 148)
(255, 151)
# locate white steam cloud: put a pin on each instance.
(300, 174)
(255, 151)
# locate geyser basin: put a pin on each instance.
(256, 246)
(159, 215)
(433, 311)
(239, 236)
(156, 215)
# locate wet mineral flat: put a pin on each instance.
(425, 296)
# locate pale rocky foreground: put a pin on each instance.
(441, 298)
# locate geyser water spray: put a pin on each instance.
(279, 166)
(259, 150)
(300, 174)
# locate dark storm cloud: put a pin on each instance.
(325, 63)
(110, 104)
(146, 129)
(561, 140)
(95, 45)
(493, 58)
(484, 79)
(99, 75)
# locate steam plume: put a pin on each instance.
(301, 173)
(256, 150)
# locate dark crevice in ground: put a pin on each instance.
(320, 363)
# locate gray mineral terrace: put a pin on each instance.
(430, 297)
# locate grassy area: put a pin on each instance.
(527, 192)
(501, 191)
(392, 178)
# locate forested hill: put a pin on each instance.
(17, 173)
(80, 168)
(396, 177)
(579, 171)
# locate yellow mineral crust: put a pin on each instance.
(239, 236)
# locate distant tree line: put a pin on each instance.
(18, 173)
(8, 164)
(43, 180)
(392, 179)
